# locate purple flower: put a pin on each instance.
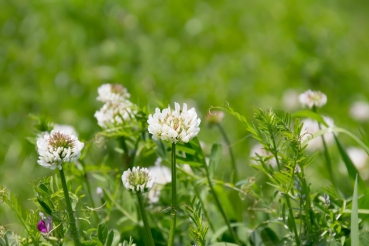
(45, 224)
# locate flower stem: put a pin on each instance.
(72, 220)
(233, 160)
(145, 220)
(217, 202)
(173, 213)
(292, 217)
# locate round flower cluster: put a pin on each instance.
(138, 180)
(174, 125)
(115, 113)
(57, 148)
(313, 99)
(112, 92)
(117, 109)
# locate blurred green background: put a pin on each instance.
(55, 54)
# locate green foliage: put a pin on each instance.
(197, 229)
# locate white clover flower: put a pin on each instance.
(115, 113)
(311, 127)
(112, 92)
(174, 125)
(56, 148)
(360, 111)
(313, 98)
(138, 180)
(163, 176)
(66, 128)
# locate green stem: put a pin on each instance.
(88, 186)
(145, 220)
(292, 217)
(72, 220)
(173, 213)
(217, 202)
(233, 160)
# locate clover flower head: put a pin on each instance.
(178, 125)
(214, 117)
(45, 225)
(112, 92)
(115, 113)
(312, 99)
(311, 127)
(56, 148)
(138, 180)
(360, 111)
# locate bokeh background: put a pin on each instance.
(55, 54)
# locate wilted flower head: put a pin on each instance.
(115, 113)
(360, 111)
(45, 225)
(174, 125)
(66, 128)
(56, 148)
(138, 180)
(214, 117)
(112, 92)
(313, 98)
(311, 127)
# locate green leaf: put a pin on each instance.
(355, 218)
(310, 114)
(223, 244)
(44, 206)
(113, 238)
(102, 232)
(364, 238)
(351, 169)
(92, 243)
(268, 236)
(215, 156)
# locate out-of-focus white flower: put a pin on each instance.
(313, 98)
(174, 125)
(311, 127)
(115, 113)
(258, 149)
(100, 192)
(138, 180)
(358, 156)
(56, 148)
(290, 99)
(360, 111)
(112, 92)
(66, 128)
(163, 176)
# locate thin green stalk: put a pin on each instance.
(173, 213)
(145, 220)
(72, 220)
(297, 238)
(233, 160)
(203, 207)
(217, 202)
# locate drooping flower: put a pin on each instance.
(214, 117)
(311, 127)
(57, 148)
(313, 98)
(178, 125)
(162, 175)
(45, 225)
(360, 111)
(112, 92)
(115, 113)
(138, 180)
